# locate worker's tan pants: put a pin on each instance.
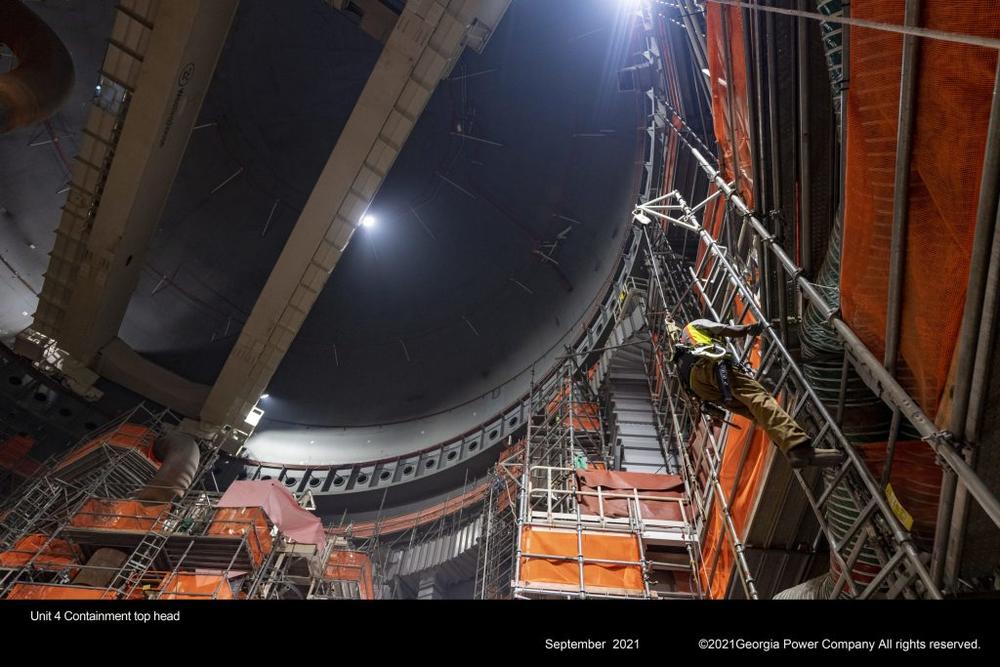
(755, 403)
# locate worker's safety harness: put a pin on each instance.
(692, 344)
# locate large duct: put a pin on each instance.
(180, 456)
(43, 78)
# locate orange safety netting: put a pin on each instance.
(187, 586)
(555, 542)
(351, 566)
(121, 515)
(915, 480)
(134, 436)
(953, 95)
(583, 416)
(55, 556)
(52, 592)
(730, 110)
(233, 521)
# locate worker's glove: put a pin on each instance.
(713, 412)
(755, 329)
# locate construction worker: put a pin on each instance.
(708, 371)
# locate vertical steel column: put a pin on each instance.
(900, 213)
(775, 203)
(753, 110)
(986, 213)
(805, 230)
(730, 92)
(901, 185)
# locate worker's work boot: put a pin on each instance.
(805, 455)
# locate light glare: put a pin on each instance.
(368, 221)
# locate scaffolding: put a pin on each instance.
(717, 287)
(57, 534)
(552, 531)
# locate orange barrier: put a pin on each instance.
(120, 515)
(14, 449)
(233, 521)
(730, 99)
(618, 483)
(954, 91)
(57, 555)
(915, 480)
(351, 566)
(134, 436)
(187, 586)
(583, 416)
(556, 542)
(52, 592)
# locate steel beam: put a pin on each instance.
(424, 45)
(901, 185)
(177, 69)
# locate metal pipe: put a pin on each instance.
(977, 401)
(989, 188)
(775, 202)
(968, 340)
(805, 230)
(987, 335)
(753, 110)
(43, 79)
(730, 93)
(901, 186)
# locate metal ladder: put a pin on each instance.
(902, 570)
(128, 578)
(30, 508)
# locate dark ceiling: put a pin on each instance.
(444, 299)
(438, 311)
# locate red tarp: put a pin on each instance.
(668, 487)
(281, 508)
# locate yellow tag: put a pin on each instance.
(897, 508)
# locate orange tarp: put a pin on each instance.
(915, 479)
(583, 416)
(125, 435)
(120, 515)
(668, 487)
(50, 592)
(730, 115)
(351, 566)
(13, 450)
(233, 521)
(56, 555)
(953, 94)
(554, 542)
(187, 586)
